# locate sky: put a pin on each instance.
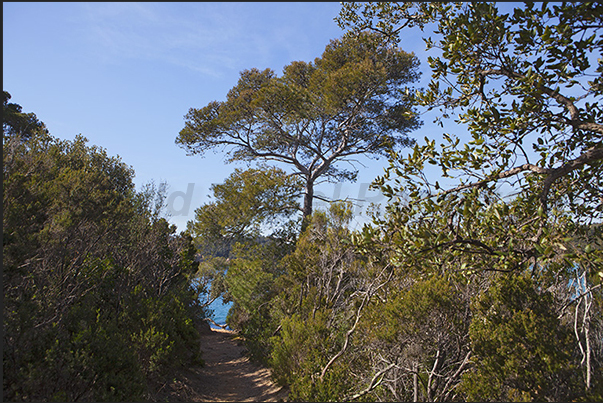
(124, 75)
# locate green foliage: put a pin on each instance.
(97, 297)
(319, 302)
(522, 350)
(418, 329)
(418, 313)
(242, 236)
(247, 204)
(292, 299)
(300, 351)
(252, 285)
(520, 195)
(485, 286)
(521, 79)
(344, 104)
(17, 124)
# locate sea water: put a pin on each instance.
(220, 311)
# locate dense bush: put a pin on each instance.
(97, 297)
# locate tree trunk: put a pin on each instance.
(308, 199)
(415, 384)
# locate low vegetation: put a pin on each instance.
(98, 304)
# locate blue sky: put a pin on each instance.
(125, 74)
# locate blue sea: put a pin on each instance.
(220, 311)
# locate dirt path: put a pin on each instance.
(228, 375)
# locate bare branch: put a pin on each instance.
(455, 375)
(347, 337)
(215, 324)
(366, 298)
(374, 383)
(576, 299)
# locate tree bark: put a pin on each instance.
(308, 199)
(415, 383)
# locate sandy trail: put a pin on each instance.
(228, 375)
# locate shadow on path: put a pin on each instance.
(228, 375)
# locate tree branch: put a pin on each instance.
(455, 375)
(374, 383)
(347, 337)
(216, 324)
(574, 112)
(589, 156)
(367, 296)
(585, 293)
